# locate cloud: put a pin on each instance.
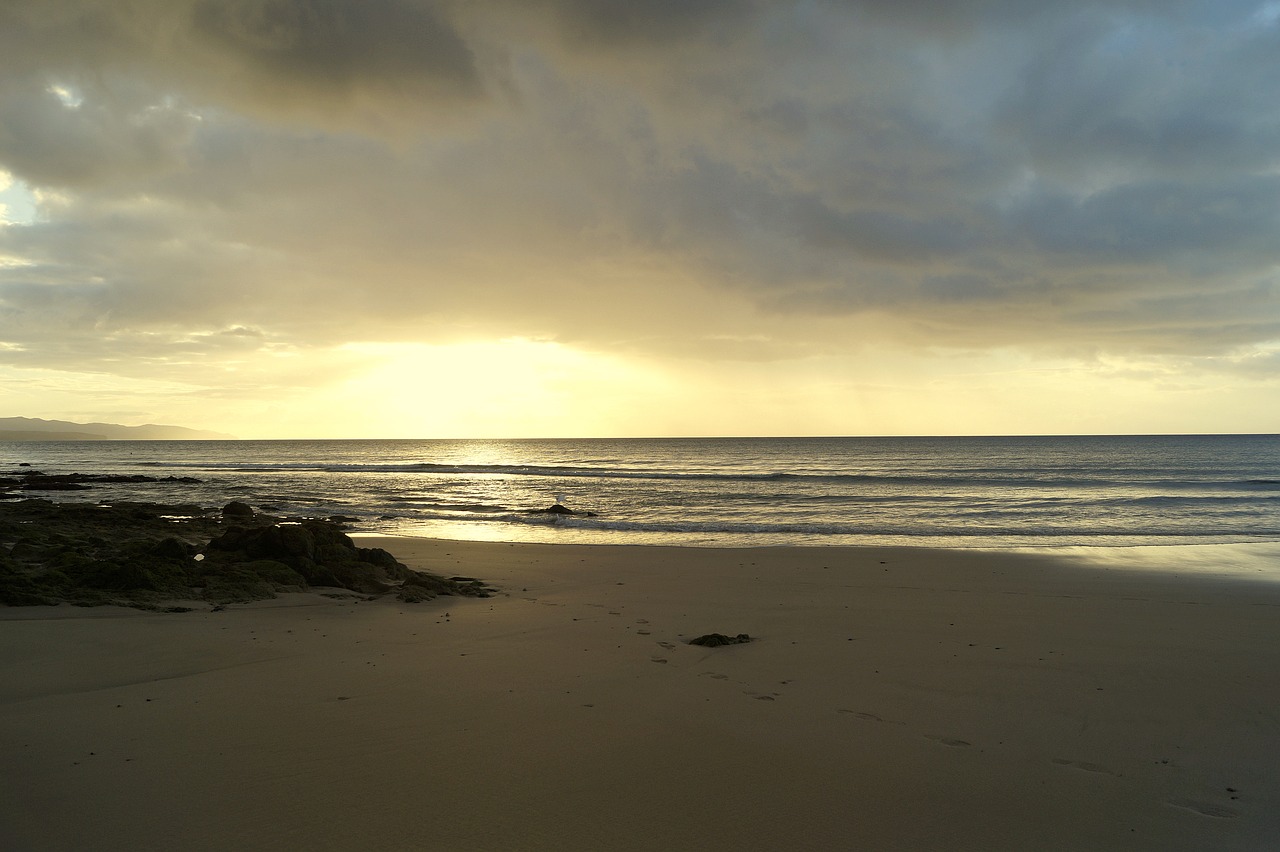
(1162, 222)
(608, 24)
(725, 180)
(50, 143)
(1152, 97)
(332, 47)
(333, 62)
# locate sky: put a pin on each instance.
(538, 218)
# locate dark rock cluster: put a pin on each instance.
(147, 555)
(13, 485)
(715, 640)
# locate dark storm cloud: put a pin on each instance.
(1161, 222)
(1150, 96)
(320, 57)
(962, 17)
(337, 42)
(609, 23)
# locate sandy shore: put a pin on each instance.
(893, 699)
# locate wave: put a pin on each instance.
(919, 529)
(428, 505)
(1262, 501)
(1034, 478)
(565, 472)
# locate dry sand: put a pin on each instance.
(894, 699)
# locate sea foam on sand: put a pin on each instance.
(890, 699)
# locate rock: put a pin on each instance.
(559, 509)
(172, 548)
(317, 550)
(236, 509)
(17, 589)
(378, 556)
(419, 586)
(415, 594)
(34, 480)
(288, 543)
(53, 483)
(715, 640)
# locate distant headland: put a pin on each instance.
(35, 429)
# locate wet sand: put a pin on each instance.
(891, 699)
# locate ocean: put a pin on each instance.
(942, 492)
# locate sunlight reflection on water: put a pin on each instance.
(1256, 561)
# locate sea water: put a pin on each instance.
(951, 492)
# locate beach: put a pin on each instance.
(890, 698)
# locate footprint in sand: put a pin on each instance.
(868, 717)
(1203, 808)
(642, 632)
(715, 675)
(658, 659)
(949, 741)
(1084, 766)
(667, 645)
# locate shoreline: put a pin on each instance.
(1249, 560)
(893, 698)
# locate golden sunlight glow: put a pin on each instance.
(496, 389)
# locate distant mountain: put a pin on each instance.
(35, 429)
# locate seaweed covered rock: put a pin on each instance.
(145, 555)
(420, 586)
(19, 588)
(318, 551)
(130, 553)
(322, 555)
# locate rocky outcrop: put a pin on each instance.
(316, 553)
(137, 555)
(84, 553)
(34, 480)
